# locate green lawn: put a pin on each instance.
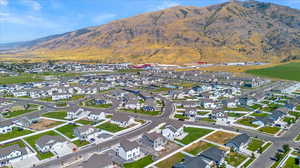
(17, 113)
(110, 127)
(236, 109)
(202, 113)
(298, 108)
(13, 134)
(235, 159)
(196, 148)
(291, 163)
(57, 115)
(100, 106)
(260, 114)
(296, 114)
(85, 122)
(255, 144)
(22, 78)
(169, 162)
(256, 106)
(297, 138)
(19, 142)
(80, 143)
(247, 164)
(152, 113)
(235, 115)
(207, 119)
(31, 141)
(288, 71)
(266, 146)
(194, 134)
(180, 116)
(143, 162)
(270, 130)
(67, 130)
(289, 120)
(247, 122)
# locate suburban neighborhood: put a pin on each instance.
(113, 115)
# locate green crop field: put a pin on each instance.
(288, 71)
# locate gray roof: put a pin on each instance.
(213, 154)
(191, 162)
(128, 145)
(239, 140)
(49, 140)
(84, 128)
(120, 117)
(97, 161)
(8, 150)
(153, 136)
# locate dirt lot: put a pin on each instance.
(45, 124)
(170, 147)
(220, 137)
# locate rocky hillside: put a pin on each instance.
(232, 31)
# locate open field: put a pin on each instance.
(288, 71)
(220, 137)
(22, 78)
(269, 130)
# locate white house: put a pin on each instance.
(10, 153)
(173, 131)
(48, 143)
(6, 126)
(123, 120)
(96, 116)
(128, 150)
(61, 97)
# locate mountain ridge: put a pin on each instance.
(231, 31)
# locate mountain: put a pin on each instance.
(231, 31)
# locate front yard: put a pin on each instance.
(110, 127)
(80, 143)
(151, 113)
(255, 144)
(143, 162)
(270, 130)
(194, 134)
(235, 159)
(291, 163)
(247, 122)
(67, 130)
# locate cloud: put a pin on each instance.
(26, 20)
(166, 4)
(33, 4)
(3, 2)
(99, 19)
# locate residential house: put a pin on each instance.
(208, 104)
(26, 121)
(6, 126)
(128, 150)
(123, 120)
(213, 156)
(173, 131)
(96, 116)
(61, 96)
(192, 162)
(48, 143)
(10, 153)
(154, 140)
(99, 161)
(86, 132)
(239, 142)
(73, 114)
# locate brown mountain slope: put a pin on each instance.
(233, 31)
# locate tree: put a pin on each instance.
(285, 148)
(252, 155)
(260, 150)
(278, 156)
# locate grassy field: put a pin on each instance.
(198, 147)
(255, 144)
(110, 127)
(194, 134)
(247, 122)
(67, 130)
(288, 71)
(85, 122)
(31, 141)
(22, 78)
(169, 162)
(235, 159)
(180, 116)
(291, 163)
(270, 130)
(57, 115)
(13, 134)
(80, 143)
(143, 162)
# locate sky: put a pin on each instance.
(23, 20)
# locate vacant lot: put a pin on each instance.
(235, 159)
(22, 78)
(169, 162)
(45, 124)
(220, 137)
(198, 147)
(288, 71)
